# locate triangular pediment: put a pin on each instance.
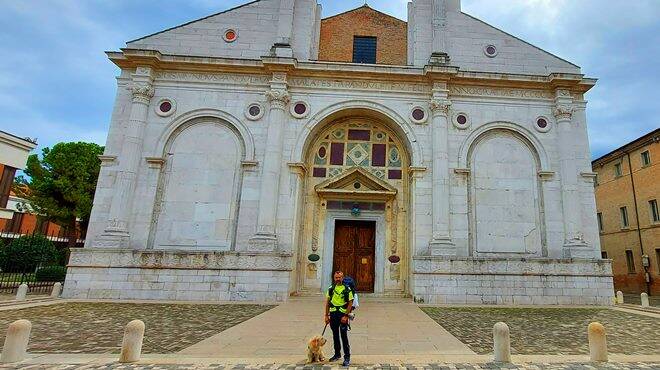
(356, 182)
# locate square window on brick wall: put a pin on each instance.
(364, 49)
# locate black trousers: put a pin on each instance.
(340, 329)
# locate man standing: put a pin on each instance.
(338, 305)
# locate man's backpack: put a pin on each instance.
(349, 284)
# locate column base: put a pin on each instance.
(577, 249)
(439, 59)
(263, 242)
(442, 246)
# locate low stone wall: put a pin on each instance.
(98, 273)
(440, 280)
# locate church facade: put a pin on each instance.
(253, 152)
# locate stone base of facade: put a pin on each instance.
(455, 280)
(99, 273)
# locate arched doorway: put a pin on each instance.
(356, 206)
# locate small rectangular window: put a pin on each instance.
(657, 259)
(655, 215)
(624, 216)
(630, 260)
(646, 158)
(617, 170)
(599, 216)
(603, 255)
(364, 49)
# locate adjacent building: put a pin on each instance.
(254, 151)
(627, 196)
(13, 156)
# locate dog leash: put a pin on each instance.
(326, 326)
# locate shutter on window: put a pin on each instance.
(364, 49)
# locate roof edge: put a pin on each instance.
(521, 40)
(640, 141)
(193, 21)
(360, 7)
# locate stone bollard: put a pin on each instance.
(131, 346)
(645, 300)
(16, 341)
(597, 342)
(619, 297)
(57, 290)
(22, 291)
(501, 343)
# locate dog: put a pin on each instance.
(315, 349)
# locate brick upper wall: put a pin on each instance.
(337, 32)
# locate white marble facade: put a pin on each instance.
(207, 197)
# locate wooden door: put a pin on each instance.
(355, 252)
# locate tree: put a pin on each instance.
(62, 183)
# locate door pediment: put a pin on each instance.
(356, 182)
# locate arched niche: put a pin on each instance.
(506, 208)
(197, 198)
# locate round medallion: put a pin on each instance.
(230, 35)
(418, 115)
(313, 257)
(542, 124)
(254, 111)
(490, 51)
(165, 107)
(394, 259)
(461, 121)
(299, 109)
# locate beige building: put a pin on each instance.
(249, 155)
(627, 196)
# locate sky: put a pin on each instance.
(56, 83)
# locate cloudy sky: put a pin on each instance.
(57, 85)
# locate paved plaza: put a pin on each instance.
(560, 331)
(387, 334)
(99, 327)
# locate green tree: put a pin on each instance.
(61, 184)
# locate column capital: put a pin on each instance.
(440, 106)
(142, 92)
(563, 112)
(278, 98)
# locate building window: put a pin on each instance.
(599, 216)
(603, 255)
(364, 49)
(624, 217)
(630, 260)
(646, 158)
(5, 185)
(617, 170)
(655, 215)
(657, 259)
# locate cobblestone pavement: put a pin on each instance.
(550, 331)
(99, 327)
(494, 366)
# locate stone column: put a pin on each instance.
(265, 239)
(574, 245)
(116, 233)
(441, 242)
(439, 54)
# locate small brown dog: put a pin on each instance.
(315, 349)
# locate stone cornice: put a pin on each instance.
(132, 58)
(15, 141)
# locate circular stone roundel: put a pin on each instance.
(542, 124)
(299, 109)
(165, 107)
(418, 115)
(313, 257)
(461, 121)
(254, 111)
(394, 259)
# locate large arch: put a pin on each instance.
(243, 132)
(531, 139)
(383, 194)
(384, 114)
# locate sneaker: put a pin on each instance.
(346, 363)
(334, 358)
